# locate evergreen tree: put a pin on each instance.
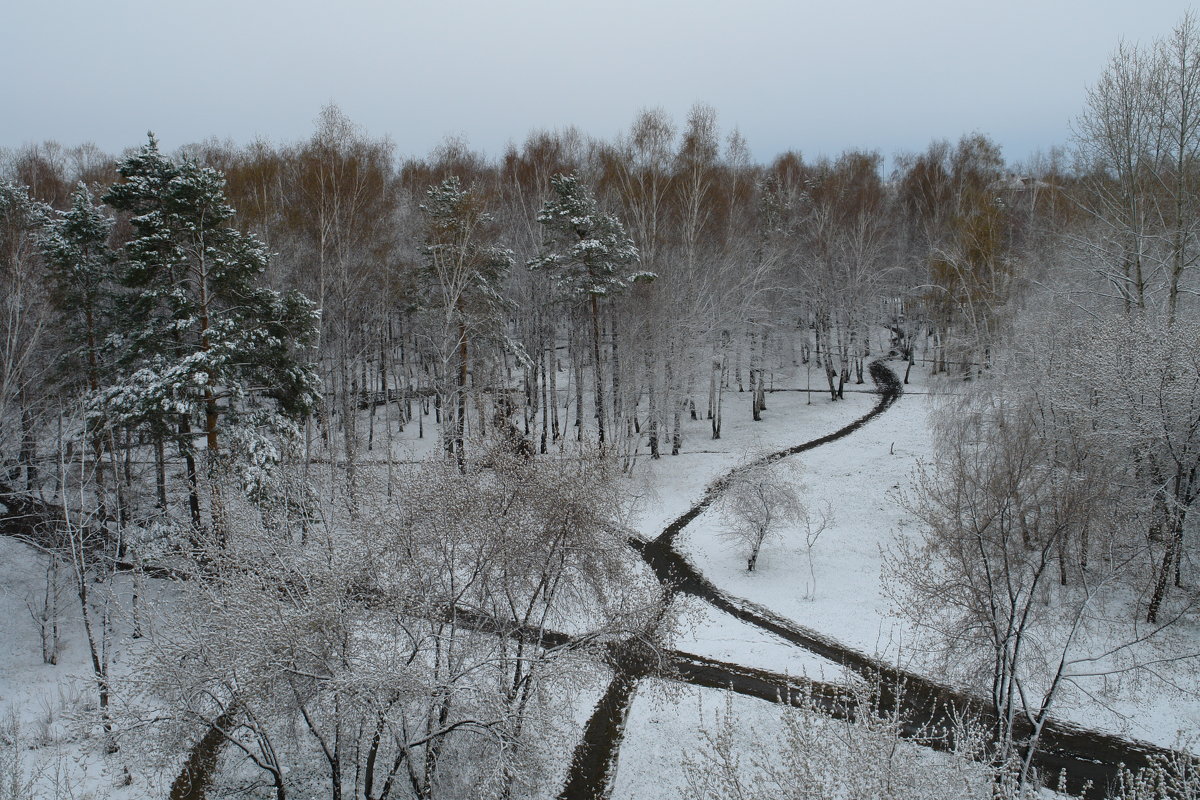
(80, 267)
(584, 251)
(200, 342)
(464, 278)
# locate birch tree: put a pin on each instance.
(760, 502)
(23, 327)
(1024, 569)
(1139, 138)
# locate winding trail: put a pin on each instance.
(593, 764)
(887, 386)
(1084, 757)
(1088, 760)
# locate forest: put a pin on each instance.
(330, 471)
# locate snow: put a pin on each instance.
(717, 635)
(862, 477)
(669, 486)
(667, 723)
(53, 706)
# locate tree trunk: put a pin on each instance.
(755, 376)
(599, 371)
(27, 454)
(1174, 536)
(652, 402)
(160, 473)
(546, 401)
(460, 399)
(552, 380)
(616, 375)
(193, 480)
(721, 378)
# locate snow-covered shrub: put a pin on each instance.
(807, 755)
(1177, 778)
(16, 782)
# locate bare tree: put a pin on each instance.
(806, 753)
(465, 275)
(1023, 570)
(417, 660)
(1139, 139)
(24, 317)
(759, 503)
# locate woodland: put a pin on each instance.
(331, 463)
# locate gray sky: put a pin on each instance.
(809, 76)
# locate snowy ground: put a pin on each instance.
(669, 486)
(671, 725)
(861, 477)
(666, 723)
(47, 712)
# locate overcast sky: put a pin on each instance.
(876, 74)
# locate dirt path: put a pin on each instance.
(593, 764)
(1084, 757)
(889, 390)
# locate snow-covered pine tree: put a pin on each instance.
(201, 344)
(81, 267)
(81, 270)
(584, 250)
(464, 277)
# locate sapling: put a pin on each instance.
(46, 614)
(759, 502)
(814, 524)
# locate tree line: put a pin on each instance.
(572, 290)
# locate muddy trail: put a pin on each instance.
(887, 386)
(1082, 757)
(1088, 761)
(593, 764)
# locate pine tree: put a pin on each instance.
(584, 251)
(465, 277)
(81, 270)
(202, 343)
(82, 266)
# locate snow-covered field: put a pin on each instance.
(861, 478)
